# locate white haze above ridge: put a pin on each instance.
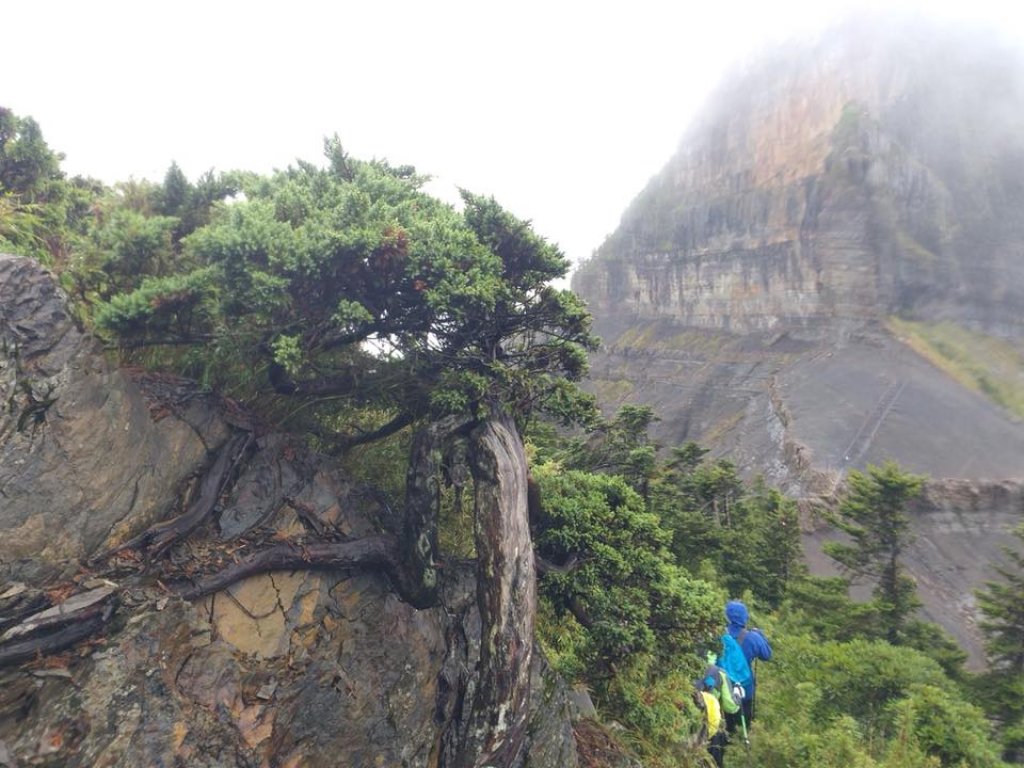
(562, 111)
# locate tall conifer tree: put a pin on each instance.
(1002, 605)
(873, 514)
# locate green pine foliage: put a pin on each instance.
(1002, 687)
(611, 570)
(822, 608)
(172, 305)
(634, 617)
(873, 515)
(866, 702)
(43, 214)
(350, 282)
(748, 534)
(618, 446)
(1002, 603)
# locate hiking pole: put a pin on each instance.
(746, 735)
(753, 696)
(739, 695)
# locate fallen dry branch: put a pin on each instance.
(69, 611)
(20, 608)
(71, 627)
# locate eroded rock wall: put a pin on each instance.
(301, 671)
(85, 454)
(747, 290)
(826, 185)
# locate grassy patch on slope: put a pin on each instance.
(983, 363)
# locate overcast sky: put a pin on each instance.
(561, 110)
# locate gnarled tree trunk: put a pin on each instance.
(422, 501)
(507, 597)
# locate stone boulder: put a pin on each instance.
(281, 669)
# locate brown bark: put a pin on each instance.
(506, 595)
(422, 502)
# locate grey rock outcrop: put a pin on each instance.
(85, 454)
(749, 291)
(283, 670)
(875, 171)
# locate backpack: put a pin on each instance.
(722, 687)
(712, 713)
(734, 662)
(702, 708)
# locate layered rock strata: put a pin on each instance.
(876, 171)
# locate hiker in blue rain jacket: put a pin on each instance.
(754, 645)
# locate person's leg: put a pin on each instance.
(732, 721)
(748, 710)
(717, 749)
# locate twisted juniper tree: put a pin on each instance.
(372, 307)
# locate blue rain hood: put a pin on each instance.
(737, 615)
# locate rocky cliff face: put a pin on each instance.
(877, 171)
(85, 450)
(748, 291)
(293, 668)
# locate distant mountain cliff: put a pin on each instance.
(830, 273)
(880, 170)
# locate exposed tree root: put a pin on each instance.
(373, 552)
(158, 538)
(506, 570)
(55, 629)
